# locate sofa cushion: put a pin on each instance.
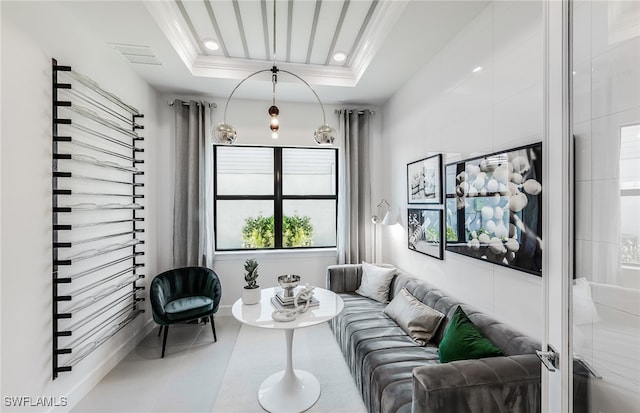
(416, 318)
(462, 340)
(356, 308)
(375, 282)
(376, 354)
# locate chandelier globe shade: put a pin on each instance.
(224, 133)
(325, 135)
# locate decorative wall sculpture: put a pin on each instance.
(97, 218)
(494, 208)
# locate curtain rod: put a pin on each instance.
(359, 112)
(210, 104)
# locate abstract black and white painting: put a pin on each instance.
(424, 181)
(494, 208)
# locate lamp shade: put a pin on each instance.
(389, 218)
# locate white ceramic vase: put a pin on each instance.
(251, 296)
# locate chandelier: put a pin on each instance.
(227, 134)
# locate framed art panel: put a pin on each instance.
(425, 231)
(424, 181)
(494, 208)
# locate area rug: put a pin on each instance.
(260, 352)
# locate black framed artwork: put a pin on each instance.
(425, 231)
(493, 207)
(424, 181)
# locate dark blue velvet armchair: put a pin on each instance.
(183, 295)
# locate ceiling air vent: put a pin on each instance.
(142, 55)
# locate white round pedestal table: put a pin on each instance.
(290, 390)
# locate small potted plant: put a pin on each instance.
(251, 291)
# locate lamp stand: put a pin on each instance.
(375, 240)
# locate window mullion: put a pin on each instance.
(277, 191)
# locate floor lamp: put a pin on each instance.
(389, 219)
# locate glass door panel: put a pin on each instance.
(605, 97)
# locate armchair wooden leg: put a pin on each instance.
(164, 340)
(213, 328)
(160, 330)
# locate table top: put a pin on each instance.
(259, 315)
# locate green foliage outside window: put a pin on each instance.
(451, 234)
(258, 232)
(630, 252)
(297, 231)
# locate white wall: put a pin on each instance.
(32, 34)
(447, 108)
(250, 118)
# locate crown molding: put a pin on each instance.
(382, 22)
(167, 16)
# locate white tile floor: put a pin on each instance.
(185, 381)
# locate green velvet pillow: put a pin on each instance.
(462, 340)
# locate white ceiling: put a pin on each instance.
(387, 41)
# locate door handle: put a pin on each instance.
(549, 358)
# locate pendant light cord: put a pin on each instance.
(274, 70)
(274, 33)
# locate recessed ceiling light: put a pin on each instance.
(211, 44)
(477, 69)
(340, 56)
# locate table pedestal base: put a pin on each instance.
(283, 392)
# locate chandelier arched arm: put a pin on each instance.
(238, 85)
(324, 117)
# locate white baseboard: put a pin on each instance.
(102, 369)
(224, 311)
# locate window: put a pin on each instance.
(275, 197)
(630, 195)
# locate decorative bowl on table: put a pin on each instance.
(288, 283)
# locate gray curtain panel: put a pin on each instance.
(355, 188)
(188, 205)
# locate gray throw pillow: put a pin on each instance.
(415, 317)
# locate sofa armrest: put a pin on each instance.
(497, 384)
(344, 278)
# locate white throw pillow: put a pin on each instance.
(415, 317)
(375, 282)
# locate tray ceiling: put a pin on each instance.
(308, 33)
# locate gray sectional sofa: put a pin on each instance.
(394, 374)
